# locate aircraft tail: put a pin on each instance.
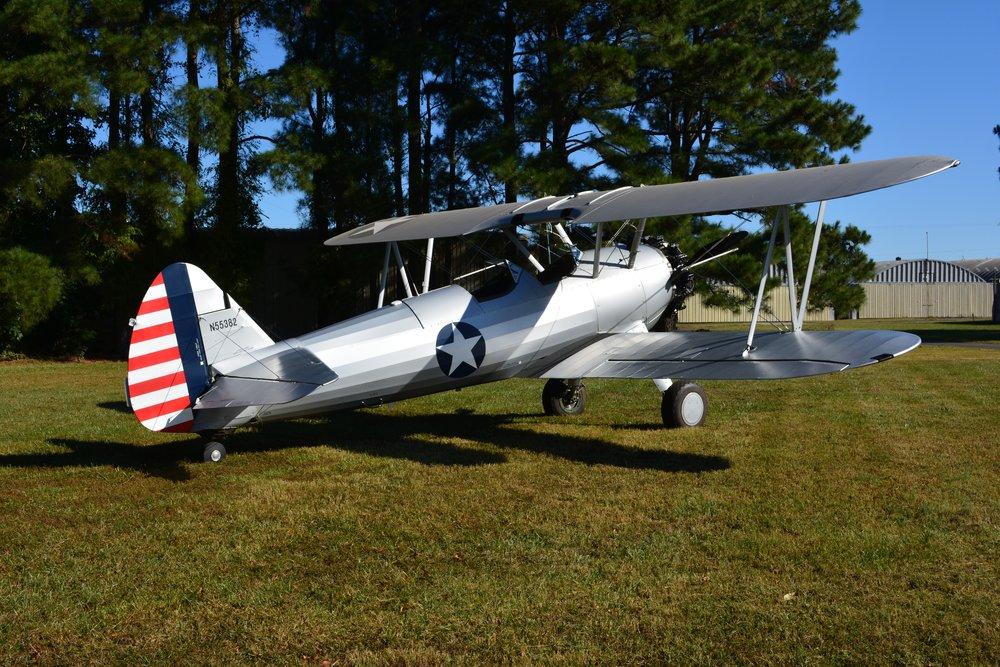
(185, 324)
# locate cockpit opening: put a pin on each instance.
(491, 281)
(548, 251)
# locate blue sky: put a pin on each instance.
(926, 76)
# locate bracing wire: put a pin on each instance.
(765, 309)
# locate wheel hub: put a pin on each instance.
(692, 408)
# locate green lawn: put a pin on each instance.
(848, 518)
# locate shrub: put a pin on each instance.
(30, 287)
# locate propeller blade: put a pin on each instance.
(711, 258)
(727, 244)
(682, 278)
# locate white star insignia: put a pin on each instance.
(460, 349)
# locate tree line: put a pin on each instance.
(130, 130)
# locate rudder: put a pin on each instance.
(185, 324)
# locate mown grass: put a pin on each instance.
(851, 517)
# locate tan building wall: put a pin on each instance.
(777, 299)
(882, 301)
(892, 300)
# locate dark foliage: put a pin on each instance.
(130, 130)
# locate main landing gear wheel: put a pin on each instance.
(560, 398)
(214, 452)
(684, 405)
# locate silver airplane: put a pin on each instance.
(197, 362)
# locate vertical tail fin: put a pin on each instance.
(185, 323)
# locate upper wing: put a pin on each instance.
(797, 186)
(689, 355)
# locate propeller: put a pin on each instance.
(682, 278)
(716, 249)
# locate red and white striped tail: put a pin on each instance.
(157, 384)
(185, 324)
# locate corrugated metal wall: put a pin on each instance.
(882, 301)
(777, 298)
(891, 300)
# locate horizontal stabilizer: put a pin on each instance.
(228, 392)
(283, 361)
(272, 375)
(691, 355)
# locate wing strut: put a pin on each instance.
(427, 264)
(393, 248)
(561, 231)
(598, 242)
(402, 270)
(812, 263)
(522, 249)
(636, 240)
(385, 276)
(797, 310)
(782, 212)
(789, 270)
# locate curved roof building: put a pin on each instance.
(923, 271)
(987, 269)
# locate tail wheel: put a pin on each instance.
(214, 452)
(684, 405)
(560, 398)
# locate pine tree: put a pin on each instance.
(730, 87)
(576, 83)
(190, 110)
(45, 142)
(237, 100)
(107, 164)
(140, 183)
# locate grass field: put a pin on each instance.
(847, 518)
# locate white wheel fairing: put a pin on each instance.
(692, 408)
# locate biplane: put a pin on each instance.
(585, 303)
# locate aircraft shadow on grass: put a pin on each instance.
(115, 406)
(375, 434)
(960, 332)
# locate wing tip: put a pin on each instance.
(917, 342)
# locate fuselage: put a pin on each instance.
(447, 338)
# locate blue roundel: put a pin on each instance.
(460, 349)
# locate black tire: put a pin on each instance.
(560, 398)
(214, 452)
(684, 405)
(665, 323)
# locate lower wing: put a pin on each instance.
(692, 355)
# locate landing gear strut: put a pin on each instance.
(564, 397)
(684, 405)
